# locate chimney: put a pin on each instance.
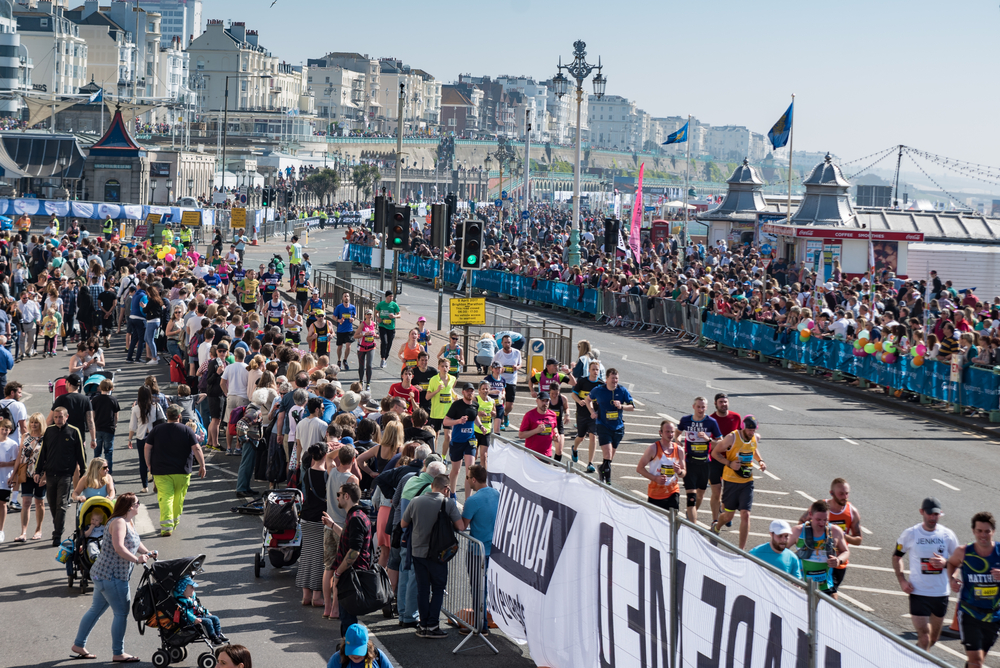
(90, 7)
(215, 25)
(252, 37)
(239, 31)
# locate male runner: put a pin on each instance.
(559, 405)
(736, 452)
(510, 361)
(498, 387)
(844, 515)
(274, 310)
(820, 546)
(318, 337)
(700, 433)
(974, 571)
(552, 374)
(269, 282)
(463, 418)
(422, 375)
(386, 314)
(344, 316)
(728, 421)
(612, 401)
(663, 465)
(585, 425)
(930, 546)
(248, 291)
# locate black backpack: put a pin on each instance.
(5, 413)
(443, 543)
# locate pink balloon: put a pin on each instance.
(169, 258)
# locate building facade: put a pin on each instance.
(15, 62)
(54, 43)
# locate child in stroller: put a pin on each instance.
(85, 544)
(93, 535)
(193, 612)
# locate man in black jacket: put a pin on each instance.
(61, 462)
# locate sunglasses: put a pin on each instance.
(104, 468)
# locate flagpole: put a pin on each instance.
(687, 168)
(791, 145)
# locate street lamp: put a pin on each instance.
(152, 191)
(579, 70)
(504, 155)
(225, 119)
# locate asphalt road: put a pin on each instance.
(809, 437)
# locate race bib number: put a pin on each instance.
(386, 321)
(508, 369)
(322, 339)
(411, 363)
(611, 415)
(667, 470)
(699, 447)
(985, 592)
(547, 429)
(927, 569)
(368, 338)
(746, 459)
(584, 395)
(444, 398)
(818, 576)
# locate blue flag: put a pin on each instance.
(97, 97)
(679, 136)
(782, 129)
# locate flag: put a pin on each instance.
(679, 136)
(782, 129)
(97, 98)
(633, 235)
(871, 256)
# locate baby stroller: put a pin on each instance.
(154, 605)
(282, 539)
(86, 550)
(92, 384)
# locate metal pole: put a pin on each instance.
(399, 179)
(527, 163)
(687, 183)
(791, 144)
(225, 128)
(443, 235)
(574, 233)
(674, 598)
(813, 602)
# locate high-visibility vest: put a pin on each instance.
(185, 235)
(55, 225)
(168, 237)
(109, 226)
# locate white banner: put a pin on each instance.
(734, 612)
(583, 577)
(846, 642)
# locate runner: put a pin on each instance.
(387, 311)
(451, 351)
(497, 387)
(559, 405)
(728, 421)
(274, 311)
(462, 418)
(510, 361)
(930, 546)
(422, 374)
(269, 281)
(314, 307)
(552, 374)
(663, 465)
(612, 400)
(700, 433)
(248, 289)
(410, 351)
(318, 337)
(585, 425)
(974, 571)
(845, 516)
(344, 316)
(820, 546)
(737, 452)
(423, 336)
(487, 411)
(294, 259)
(406, 390)
(440, 392)
(366, 348)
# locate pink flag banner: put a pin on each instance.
(633, 237)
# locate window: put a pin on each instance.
(44, 23)
(452, 122)
(113, 191)
(149, 69)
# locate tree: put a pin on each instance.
(324, 184)
(365, 177)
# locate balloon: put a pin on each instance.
(865, 334)
(857, 344)
(805, 334)
(879, 355)
(918, 361)
(921, 350)
(161, 254)
(888, 347)
(878, 346)
(888, 358)
(169, 257)
(863, 340)
(870, 348)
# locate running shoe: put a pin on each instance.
(576, 456)
(591, 469)
(715, 528)
(346, 367)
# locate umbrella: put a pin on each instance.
(677, 204)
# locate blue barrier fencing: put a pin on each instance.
(980, 388)
(553, 293)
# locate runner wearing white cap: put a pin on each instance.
(776, 553)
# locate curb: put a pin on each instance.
(993, 431)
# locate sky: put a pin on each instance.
(866, 74)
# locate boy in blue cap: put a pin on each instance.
(192, 611)
(357, 650)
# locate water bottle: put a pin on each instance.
(51, 387)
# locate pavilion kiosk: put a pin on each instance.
(735, 219)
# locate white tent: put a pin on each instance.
(235, 180)
(677, 204)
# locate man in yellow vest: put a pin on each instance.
(294, 260)
(168, 236)
(185, 235)
(108, 228)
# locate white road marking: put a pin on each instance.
(771, 505)
(961, 656)
(218, 469)
(639, 403)
(669, 418)
(769, 491)
(870, 590)
(844, 438)
(775, 407)
(806, 496)
(632, 477)
(942, 482)
(856, 603)
(771, 475)
(867, 531)
(143, 522)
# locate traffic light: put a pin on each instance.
(439, 219)
(472, 245)
(265, 197)
(399, 228)
(379, 214)
(451, 202)
(610, 234)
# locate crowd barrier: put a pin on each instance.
(465, 595)
(978, 388)
(552, 293)
(640, 586)
(659, 315)
(332, 289)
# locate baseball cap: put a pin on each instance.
(780, 527)
(468, 386)
(356, 640)
(551, 360)
(931, 506)
(496, 365)
(421, 319)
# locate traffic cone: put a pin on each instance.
(952, 631)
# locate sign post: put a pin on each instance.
(238, 219)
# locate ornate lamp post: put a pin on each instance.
(504, 155)
(579, 70)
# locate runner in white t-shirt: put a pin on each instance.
(930, 546)
(510, 361)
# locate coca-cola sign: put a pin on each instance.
(833, 233)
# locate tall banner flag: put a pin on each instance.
(633, 235)
(97, 97)
(782, 129)
(679, 136)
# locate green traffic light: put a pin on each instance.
(471, 260)
(398, 240)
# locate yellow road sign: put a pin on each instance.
(191, 218)
(468, 311)
(238, 219)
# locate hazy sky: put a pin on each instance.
(866, 75)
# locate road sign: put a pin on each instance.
(538, 346)
(243, 198)
(525, 215)
(503, 194)
(498, 203)
(468, 311)
(536, 356)
(766, 249)
(650, 208)
(152, 219)
(238, 219)
(191, 218)
(141, 230)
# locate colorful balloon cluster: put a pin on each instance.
(169, 253)
(918, 352)
(805, 330)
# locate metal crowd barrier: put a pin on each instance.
(332, 289)
(465, 596)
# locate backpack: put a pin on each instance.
(248, 426)
(234, 419)
(196, 341)
(5, 413)
(443, 543)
